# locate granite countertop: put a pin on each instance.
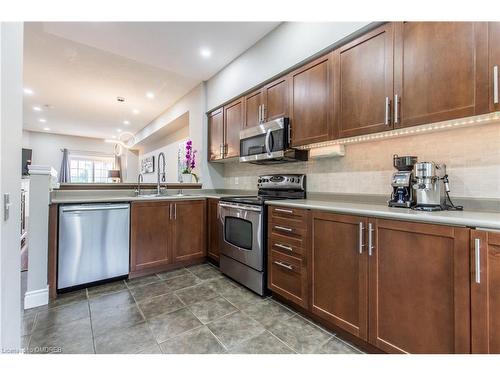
(480, 219)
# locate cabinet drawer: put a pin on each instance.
(296, 214)
(287, 245)
(287, 277)
(287, 228)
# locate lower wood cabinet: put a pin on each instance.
(163, 233)
(419, 296)
(339, 271)
(188, 230)
(403, 287)
(214, 229)
(485, 292)
(149, 235)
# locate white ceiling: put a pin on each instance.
(79, 69)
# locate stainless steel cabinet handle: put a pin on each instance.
(477, 259)
(94, 208)
(263, 113)
(495, 84)
(283, 247)
(240, 207)
(361, 244)
(260, 115)
(283, 228)
(267, 142)
(287, 266)
(175, 211)
(387, 111)
(283, 210)
(221, 150)
(396, 105)
(370, 239)
(170, 211)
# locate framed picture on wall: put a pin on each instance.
(148, 165)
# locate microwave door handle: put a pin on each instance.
(268, 142)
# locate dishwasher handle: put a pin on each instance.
(101, 207)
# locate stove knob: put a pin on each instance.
(259, 180)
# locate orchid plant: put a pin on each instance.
(189, 163)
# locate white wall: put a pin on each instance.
(287, 45)
(47, 150)
(11, 120)
(194, 104)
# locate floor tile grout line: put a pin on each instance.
(182, 333)
(91, 323)
(286, 344)
(226, 349)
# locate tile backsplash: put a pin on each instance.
(472, 157)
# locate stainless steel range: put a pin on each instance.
(244, 224)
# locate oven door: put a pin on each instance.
(242, 233)
(265, 141)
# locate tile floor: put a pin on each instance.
(190, 310)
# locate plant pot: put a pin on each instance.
(187, 178)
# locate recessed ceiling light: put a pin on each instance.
(135, 111)
(120, 99)
(42, 120)
(28, 91)
(119, 130)
(126, 122)
(150, 95)
(37, 108)
(205, 52)
(46, 129)
(113, 136)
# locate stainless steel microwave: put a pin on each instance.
(269, 143)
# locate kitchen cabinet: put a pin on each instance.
(163, 233)
(188, 220)
(418, 287)
(494, 65)
(440, 71)
(339, 271)
(233, 123)
(253, 109)
(288, 256)
(214, 229)
(149, 235)
(311, 116)
(363, 83)
(485, 291)
(216, 135)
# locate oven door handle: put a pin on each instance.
(240, 208)
(267, 142)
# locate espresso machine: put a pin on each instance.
(403, 194)
(432, 187)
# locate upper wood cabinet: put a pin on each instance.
(494, 65)
(339, 276)
(233, 123)
(311, 102)
(419, 287)
(485, 292)
(253, 109)
(188, 230)
(440, 71)
(149, 235)
(214, 229)
(363, 83)
(275, 99)
(216, 135)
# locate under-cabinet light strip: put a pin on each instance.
(403, 132)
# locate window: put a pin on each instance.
(90, 169)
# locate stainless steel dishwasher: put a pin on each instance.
(93, 243)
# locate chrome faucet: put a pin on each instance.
(161, 156)
(140, 179)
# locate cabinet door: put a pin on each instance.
(253, 105)
(188, 230)
(214, 229)
(485, 291)
(419, 288)
(340, 271)
(363, 83)
(440, 71)
(276, 99)
(149, 235)
(233, 123)
(311, 103)
(215, 134)
(494, 65)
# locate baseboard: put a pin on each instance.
(36, 298)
